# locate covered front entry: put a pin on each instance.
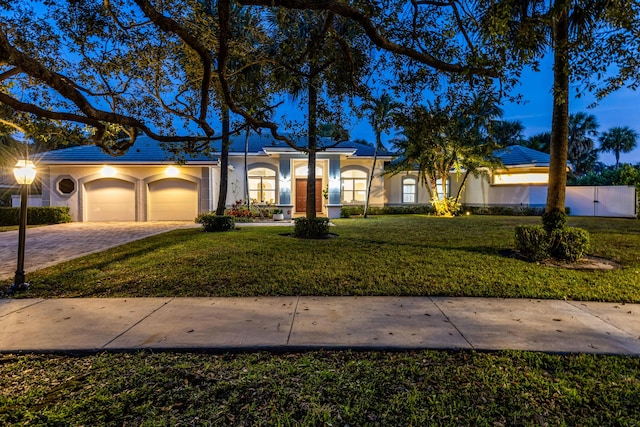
(110, 200)
(301, 195)
(173, 200)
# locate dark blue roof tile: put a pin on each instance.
(519, 155)
(147, 150)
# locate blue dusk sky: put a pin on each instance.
(621, 108)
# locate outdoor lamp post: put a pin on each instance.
(25, 173)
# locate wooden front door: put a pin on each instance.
(301, 195)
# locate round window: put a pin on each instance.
(66, 186)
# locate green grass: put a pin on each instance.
(387, 255)
(406, 255)
(321, 388)
(4, 228)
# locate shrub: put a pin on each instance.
(532, 242)
(569, 243)
(536, 243)
(36, 215)
(311, 228)
(350, 210)
(555, 220)
(212, 222)
(504, 210)
(239, 212)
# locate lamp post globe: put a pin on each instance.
(25, 173)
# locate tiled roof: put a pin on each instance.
(259, 142)
(519, 155)
(147, 150)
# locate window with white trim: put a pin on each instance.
(409, 190)
(353, 186)
(262, 185)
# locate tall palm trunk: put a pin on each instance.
(224, 163)
(560, 121)
(313, 146)
(373, 168)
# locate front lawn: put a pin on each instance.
(386, 255)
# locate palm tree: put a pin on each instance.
(619, 140)
(574, 33)
(507, 132)
(380, 116)
(583, 128)
(440, 138)
(540, 142)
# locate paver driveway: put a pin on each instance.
(52, 244)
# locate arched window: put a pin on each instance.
(353, 188)
(409, 190)
(262, 185)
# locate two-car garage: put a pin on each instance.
(112, 199)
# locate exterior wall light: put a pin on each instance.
(172, 171)
(108, 171)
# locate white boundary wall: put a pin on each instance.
(607, 201)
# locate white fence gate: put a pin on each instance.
(608, 201)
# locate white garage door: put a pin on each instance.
(173, 200)
(110, 200)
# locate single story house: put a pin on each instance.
(147, 184)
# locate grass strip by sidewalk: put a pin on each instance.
(321, 388)
(387, 255)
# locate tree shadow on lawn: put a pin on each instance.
(50, 284)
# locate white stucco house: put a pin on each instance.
(146, 184)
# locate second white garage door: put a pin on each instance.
(110, 200)
(173, 200)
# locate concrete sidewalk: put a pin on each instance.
(305, 323)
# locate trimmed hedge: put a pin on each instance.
(36, 215)
(311, 228)
(504, 210)
(569, 243)
(532, 242)
(536, 243)
(507, 210)
(352, 210)
(212, 222)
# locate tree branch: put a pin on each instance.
(170, 26)
(372, 32)
(224, 36)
